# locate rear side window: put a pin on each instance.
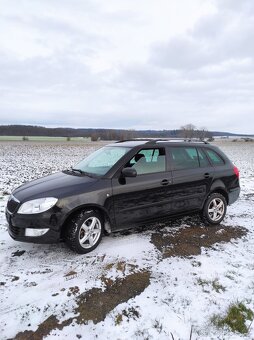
(184, 158)
(215, 158)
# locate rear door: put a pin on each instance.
(144, 197)
(192, 175)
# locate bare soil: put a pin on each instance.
(94, 304)
(189, 241)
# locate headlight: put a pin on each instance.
(37, 206)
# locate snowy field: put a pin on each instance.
(165, 281)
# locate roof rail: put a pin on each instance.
(135, 139)
(155, 140)
(186, 140)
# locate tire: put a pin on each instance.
(214, 209)
(84, 231)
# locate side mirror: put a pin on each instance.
(129, 172)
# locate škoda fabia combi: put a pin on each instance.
(120, 186)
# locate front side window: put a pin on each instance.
(184, 158)
(102, 160)
(148, 161)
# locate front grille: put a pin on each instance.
(12, 204)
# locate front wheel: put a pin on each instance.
(214, 209)
(84, 231)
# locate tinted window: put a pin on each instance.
(148, 161)
(203, 160)
(214, 157)
(184, 158)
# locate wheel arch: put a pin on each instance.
(104, 213)
(220, 188)
(221, 191)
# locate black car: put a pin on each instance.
(122, 185)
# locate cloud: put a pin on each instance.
(128, 64)
(214, 39)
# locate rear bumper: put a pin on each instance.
(233, 195)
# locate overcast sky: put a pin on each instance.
(140, 64)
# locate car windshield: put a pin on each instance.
(101, 161)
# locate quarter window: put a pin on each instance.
(215, 158)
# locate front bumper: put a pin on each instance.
(18, 223)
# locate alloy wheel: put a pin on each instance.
(89, 232)
(216, 209)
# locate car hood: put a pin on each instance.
(59, 185)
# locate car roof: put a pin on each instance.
(157, 142)
(129, 143)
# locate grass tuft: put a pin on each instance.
(217, 286)
(118, 319)
(235, 319)
(214, 284)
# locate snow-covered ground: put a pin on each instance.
(174, 289)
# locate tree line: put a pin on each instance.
(186, 131)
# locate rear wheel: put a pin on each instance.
(214, 209)
(84, 231)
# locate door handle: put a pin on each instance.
(207, 175)
(165, 182)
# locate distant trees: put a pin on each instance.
(94, 137)
(112, 134)
(189, 131)
(186, 131)
(203, 133)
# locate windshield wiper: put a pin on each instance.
(81, 172)
(77, 170)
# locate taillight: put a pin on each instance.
(236, 171)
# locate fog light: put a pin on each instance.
(35, 232)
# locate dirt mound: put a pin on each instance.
(188, 241)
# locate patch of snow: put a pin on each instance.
(184, 293)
